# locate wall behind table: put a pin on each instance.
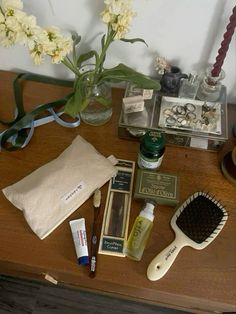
(187, 32)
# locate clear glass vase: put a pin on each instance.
(99, 108)
(210, 87)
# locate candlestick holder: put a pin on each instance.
(210, 87)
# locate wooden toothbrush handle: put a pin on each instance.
(94, 247)
(163, 261)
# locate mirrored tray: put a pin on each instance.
(190, 115)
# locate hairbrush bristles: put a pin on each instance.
(201, 217)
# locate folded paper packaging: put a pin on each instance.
(54, 191)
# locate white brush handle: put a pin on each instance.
(163, 261)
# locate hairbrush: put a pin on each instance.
(196, 223)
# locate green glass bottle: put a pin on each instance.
(152, 148)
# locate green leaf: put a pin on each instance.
(106, 102)
(133, 40)
(86, 56)
(103, 40)
(76, 39)
(17, 129)
(70, 107)
(123, 73)
(78, 102)
(18, 86)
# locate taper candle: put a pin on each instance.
(224, 45)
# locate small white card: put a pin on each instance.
(199, 143)
(147, 93)
(133, 104)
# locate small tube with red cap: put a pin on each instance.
(80, 240)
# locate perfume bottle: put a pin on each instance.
(188, 87)
(140, 232)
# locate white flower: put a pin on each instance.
(58, 46)
(7, 37)
(8, 32)
(2, 18)
(64, 46)
(119, 14)
(118, 7)
(161, 65)
(41, 36)
(29, 31)
(17, 26)
(37, 54)
(120, 27)
(12, 24)
(28, 23)
(53, 33)
(9, 5)
(107, 17)
(37, 57)
(122, 24)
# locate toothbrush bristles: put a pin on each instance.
(97, 198)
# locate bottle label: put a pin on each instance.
(149, 164)
(139, 230)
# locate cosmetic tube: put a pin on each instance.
(80, 240)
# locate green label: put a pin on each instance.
(157, 184)
(112, 245)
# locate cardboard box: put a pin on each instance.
(115, 224)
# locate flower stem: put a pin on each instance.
(99, 63)
(69, 64)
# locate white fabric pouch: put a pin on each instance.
(54, 191)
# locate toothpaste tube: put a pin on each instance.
(80, 240)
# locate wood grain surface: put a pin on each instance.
(199, 281)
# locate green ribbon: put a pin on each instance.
(17, 127)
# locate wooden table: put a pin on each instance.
(199, 281)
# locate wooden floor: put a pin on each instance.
(20, 297)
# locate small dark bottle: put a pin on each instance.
(152, 148)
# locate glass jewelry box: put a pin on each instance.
(183, 122)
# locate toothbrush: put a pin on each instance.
(94, 240)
